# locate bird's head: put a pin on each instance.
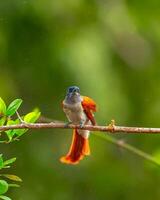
(73, 94)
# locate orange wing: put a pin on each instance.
(89, 107)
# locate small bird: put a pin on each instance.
(79, 111)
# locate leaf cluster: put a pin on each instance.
(9, 116)
(6, 118)
(4, 184)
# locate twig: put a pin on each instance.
(43, 119)
(109, 129)
(19, 117)
(130, 148)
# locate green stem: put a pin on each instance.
(130, 148)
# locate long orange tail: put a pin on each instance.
(78, 149)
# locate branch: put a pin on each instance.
(60, 125)
(121, 143)
(105, 129)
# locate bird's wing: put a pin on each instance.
(89, 107)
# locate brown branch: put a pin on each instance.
(109, 129)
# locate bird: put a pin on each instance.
(79, 111)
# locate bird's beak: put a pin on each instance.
(74, 93)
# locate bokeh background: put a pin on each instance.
(111, 50)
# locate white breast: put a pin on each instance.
(75, 114)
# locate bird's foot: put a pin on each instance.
(67, 124)
(81, 124)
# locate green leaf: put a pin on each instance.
(2, 120)
(28, 118)
(10, 133)
(13, 132)
(20, 132)
(32, 117)
(1, 161)
(3, 186)
(8, 162)
(12, 177)
(13, 185)
(5, 197)
(2, 107)
(13, 107)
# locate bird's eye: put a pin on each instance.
(77, 90)
(70, 89)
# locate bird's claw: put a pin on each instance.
(67, 124)
(81, 124)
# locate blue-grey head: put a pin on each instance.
(73, 95)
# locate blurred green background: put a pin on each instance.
(111, 50)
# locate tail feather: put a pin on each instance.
(78, 149)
